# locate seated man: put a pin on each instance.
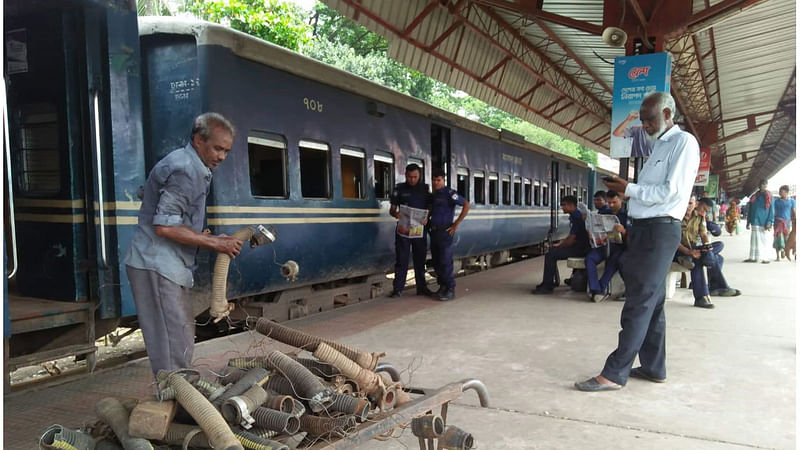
(598, 288)
(601, 202)
(717, 285)
(576, 244)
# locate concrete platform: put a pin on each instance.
(731, 370)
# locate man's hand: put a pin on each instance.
(452, 229)
(633, 115)
(616, 184)
(768, 227)
(619, 228)
(424, 221)
(228, 245)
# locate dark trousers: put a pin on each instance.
(442, 256)
(712, 261)
(551, 259)
(715, 278)
(594, 258)
(645, 264)
(403, 247)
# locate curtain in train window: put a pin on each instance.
(463, 182)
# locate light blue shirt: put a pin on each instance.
(665, 183)
(175, 194)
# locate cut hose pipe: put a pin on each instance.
(271, 419)
(56, 436)
(111, 411)
(369, 381)
(220, 308)
(430, 426)
(212, 391)
(307, 386)
(455, 438)
(327, 426)
(253, 442)
(310, 342)
(210, 421)
(239, 408)
(319, 368)
(282, 403)
(256, 376)
(280, 385)
(247, 362)
(348, 404)
(178, 432)
(390, 369)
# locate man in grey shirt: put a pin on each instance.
(170, 230)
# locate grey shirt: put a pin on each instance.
(175, 194)
(640, 146)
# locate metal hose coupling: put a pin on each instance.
(305, 383)
(430, 426)
(239, 408)
(455, 438)
(220, 308)
(310, 342)
(278, 402)
(56, 436)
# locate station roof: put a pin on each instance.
(545, 61)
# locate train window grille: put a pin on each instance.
(480, 187)
(517, 190)
(545, 194)
(585, 195)
(315, 169)
(575, 192)
(421, 165)
(528, 191)
(384, 175)
(537, 193)
(353, 168)
(493, 192)
(267, 157)
(506, 189)
(38, 160)
(463, 182)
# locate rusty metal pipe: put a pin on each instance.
(281, 403)
(429, 426)
(455, 438)
(327, 426)
(478, 386)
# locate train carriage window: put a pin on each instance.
(506, 189)
(527, 183)
(421, 165)
(267, 156)
(384, 175)
(38, 153)
(353, 168)
(480, 188)
(493, 192)
(561, 193)
(537, 193)
(575, 192)
(463, 182)
(315, 169)
(545, 194)
(517, 190)
(585, 197)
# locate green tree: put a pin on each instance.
(330, 25)
(282, 23)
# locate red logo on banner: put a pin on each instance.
(704, 169)
(636, 71)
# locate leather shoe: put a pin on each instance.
(448, 295)
(637, 372)
(748, 260)
(703, 302)
(730, 292)
(592, 385)
(425, 291)
(395, 294)
(568, 281)
(542, 290)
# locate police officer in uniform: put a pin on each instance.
(442, 228)
(414, 194)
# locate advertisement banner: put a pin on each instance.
(713, 186)
(634, 78)
(704, 169)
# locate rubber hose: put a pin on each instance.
(325, 426)
(368, 381)
(219, 308)
(176, 434)
(212, 391)
(455, 438)
(250, 400)
(204, 413)
(56, 436)
(111, 411)
(280, 385)
(319, 368)
(430, 426)
(253, 442)
(106, 444)
(247, 362)
(165, 394)
(275, 420)
(277, 402)
(231, 375)
(348, 404)
(263, 433)
(251, 378)
(310, 342)
(307, 385)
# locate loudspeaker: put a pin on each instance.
(614, 36)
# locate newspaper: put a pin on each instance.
(410, 222)
(601, 229)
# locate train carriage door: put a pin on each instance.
(440, 150)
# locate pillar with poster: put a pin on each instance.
(634, 78)
(704, 169)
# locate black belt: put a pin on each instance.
(652, 220)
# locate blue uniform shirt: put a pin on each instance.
(604, 210)
(416, 196)
(444, 206)
(577, 226)
(175, 194)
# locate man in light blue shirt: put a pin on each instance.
(161, 258)
(656, 205)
